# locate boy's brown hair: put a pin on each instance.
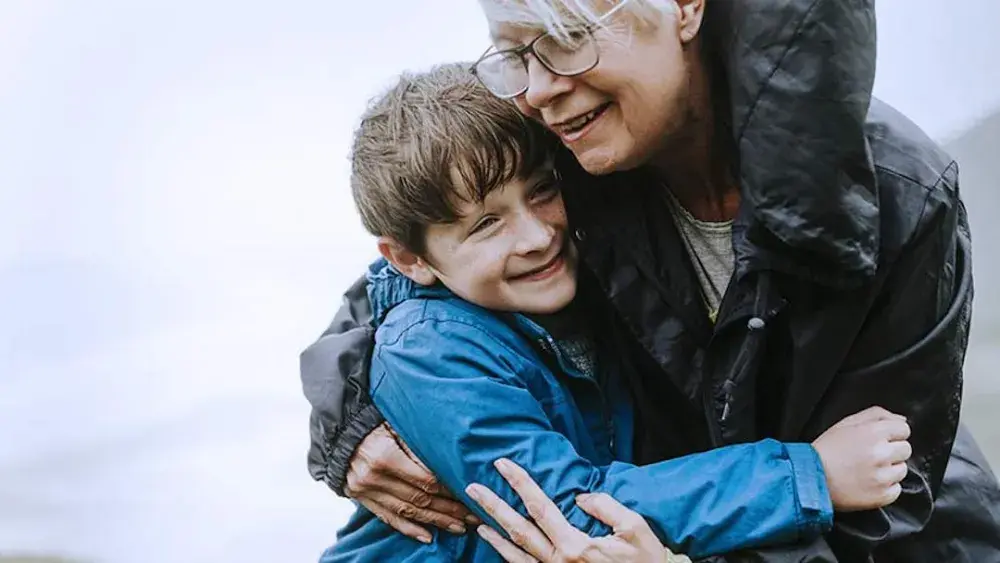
(435, 139)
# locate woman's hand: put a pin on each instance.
(552, 538)
(387, 479)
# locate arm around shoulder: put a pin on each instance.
(334, 372)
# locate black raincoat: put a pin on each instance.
(852, 288)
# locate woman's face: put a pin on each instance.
(620, 114)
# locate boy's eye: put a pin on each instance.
(545, 191)
(483, 224)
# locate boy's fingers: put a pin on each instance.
(892, 494)
(895, 429)
(507, 550)
(522, 533)
(900, 451)
(540, 507)
(625, 522)
(872, 414)
(894, 473)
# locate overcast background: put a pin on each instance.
(176, 225)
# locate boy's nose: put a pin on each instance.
(535, 235)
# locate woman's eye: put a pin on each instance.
(575, 38)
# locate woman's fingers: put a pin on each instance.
(401, 525)
(427, 508)
(522, 532)
(381, 466)
(407, 511)
(395, 462)
(504, 547)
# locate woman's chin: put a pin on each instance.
(602, 159)
(596, 161)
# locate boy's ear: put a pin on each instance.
(408, 263)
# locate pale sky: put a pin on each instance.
(175, 226)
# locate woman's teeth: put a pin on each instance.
(580, 122)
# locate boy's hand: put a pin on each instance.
(387, 479)
(864, 457)
(550, 538)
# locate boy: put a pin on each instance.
(489, 345)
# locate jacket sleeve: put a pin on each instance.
(334, 373)
(480, 395)
(908, 359)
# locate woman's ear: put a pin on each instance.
(408, 263)
(689, 17)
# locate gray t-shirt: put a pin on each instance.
(571, 332)
(710, 247)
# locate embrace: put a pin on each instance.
(660, 280)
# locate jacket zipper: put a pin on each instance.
(549, 345)
(719, 411)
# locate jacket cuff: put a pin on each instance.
(815, 504)
(342, 448)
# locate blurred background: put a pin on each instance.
(176, 225)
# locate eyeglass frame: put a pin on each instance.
(523, 50)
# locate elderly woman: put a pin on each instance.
(779, 249)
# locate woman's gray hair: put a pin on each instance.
(559, 17)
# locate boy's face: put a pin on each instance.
(510, 253)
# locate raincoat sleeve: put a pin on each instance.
(461, 399)
(335, 377)
(908, 359)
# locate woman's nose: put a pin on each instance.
(544, 85)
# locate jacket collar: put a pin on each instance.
(387, 288)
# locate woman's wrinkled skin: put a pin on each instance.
(644, 80)
(652, 89)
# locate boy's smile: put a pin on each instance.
(508, 253)
(547, 270)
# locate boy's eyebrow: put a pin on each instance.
(466, 208)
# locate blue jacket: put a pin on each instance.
(464, 386)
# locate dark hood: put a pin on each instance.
(799, 75)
